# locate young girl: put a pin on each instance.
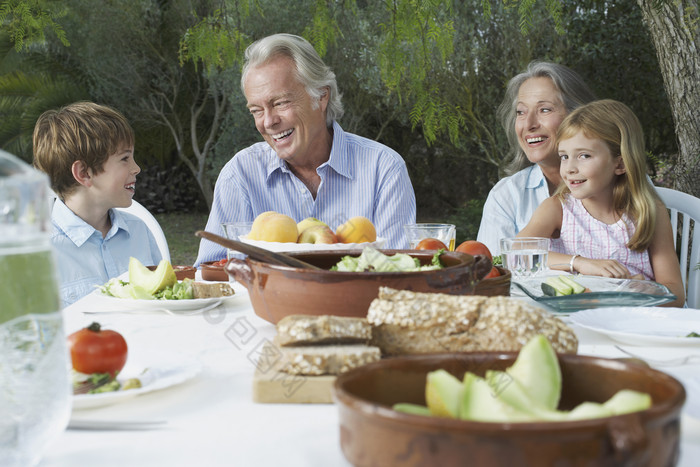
(606, 219)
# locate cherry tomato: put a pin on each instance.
(472, 247)
(430, 244)
(94, 350)
(494, 273)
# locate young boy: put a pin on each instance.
(87, 150)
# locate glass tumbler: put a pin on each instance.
(446, 233)
(234, 231)
(35, 386)
(525, 256)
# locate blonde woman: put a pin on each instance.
(605, 219)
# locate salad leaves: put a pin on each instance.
(373, 260)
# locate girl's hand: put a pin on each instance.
(601, 267)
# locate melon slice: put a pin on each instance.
(537, 370)
(151, 281)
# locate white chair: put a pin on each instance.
(685, 209)
(144, 214)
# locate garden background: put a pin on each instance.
(423, 77)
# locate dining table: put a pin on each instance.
(205, 414)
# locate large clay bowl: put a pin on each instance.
(371, 434)
(278, 291)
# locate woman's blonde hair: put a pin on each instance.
(618, 127)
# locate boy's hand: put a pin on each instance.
(602, 267)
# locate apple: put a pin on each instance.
(357, 229)
(317, 234)
(272, 226)
(308, 222)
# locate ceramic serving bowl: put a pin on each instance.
(278, 291)
(492, 286)
(213, 271)
(373, 434)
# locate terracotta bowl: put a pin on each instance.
(495, 285)
(278, 291)
(181, 272)
(212, 271)
(371, 433)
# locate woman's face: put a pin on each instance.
(539, 111)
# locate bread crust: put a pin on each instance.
(406, 322)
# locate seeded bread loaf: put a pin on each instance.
(406, 322)
(319, 330)
(326, 359)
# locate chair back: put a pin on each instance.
(685, 214)
(138, 210)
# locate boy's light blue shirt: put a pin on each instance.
(84, 259)
(510, 205)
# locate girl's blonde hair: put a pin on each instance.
(618, 127)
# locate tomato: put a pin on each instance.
(221, 262)
(494, 273)
(472, 247)
(430, 244)
(94, 350)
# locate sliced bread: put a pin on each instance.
(326, 359)
(298, 330)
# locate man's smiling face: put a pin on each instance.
(291, 122)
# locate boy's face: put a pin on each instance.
(114, 187)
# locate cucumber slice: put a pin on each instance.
(575, 286)
(554, 286)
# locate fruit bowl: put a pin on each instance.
(371, 433)
(293, 247)
(278, 291)
(492, 286)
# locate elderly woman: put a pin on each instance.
(536, 102)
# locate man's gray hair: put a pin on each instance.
(315, 75)
(573, 92)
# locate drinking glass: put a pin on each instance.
(234, 231)
(446, 233)
(35, 386)
(525, 256)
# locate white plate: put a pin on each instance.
(642, 326)
(155, 370)
(111, 304)
(284, 247)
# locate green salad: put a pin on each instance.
(374, 260)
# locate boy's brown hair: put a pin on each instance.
(82, 131)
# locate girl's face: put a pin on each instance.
(539, 111)
(588, 167)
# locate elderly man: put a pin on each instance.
(307, 166)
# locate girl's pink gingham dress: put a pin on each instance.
(585, 235)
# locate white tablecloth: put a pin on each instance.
(211, 418)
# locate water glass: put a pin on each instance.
(446, 233)
(35, 386)
(525, 256)
(234, 231)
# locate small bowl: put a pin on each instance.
(278, 291)
(495, 285)
(212, 271)
(181, 272)
(371, 433)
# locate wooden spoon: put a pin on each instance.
(256, 253)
